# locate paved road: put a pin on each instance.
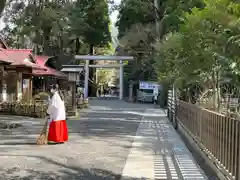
(99, 144)
(103, 145)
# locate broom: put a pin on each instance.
(43, 137)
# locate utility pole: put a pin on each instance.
(156, 4)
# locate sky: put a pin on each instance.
(1, 24)
(115, 13)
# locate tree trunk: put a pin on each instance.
(188, 95)
(2, 5)
(46, 38)
(215, 92)
(77, 45)
(22, 41)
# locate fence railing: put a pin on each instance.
(217, 134)
(171, 108)
(171, 105)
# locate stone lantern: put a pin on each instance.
(73, 78)
(131, 83)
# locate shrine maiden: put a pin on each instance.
(58, 131)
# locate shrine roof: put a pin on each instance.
(19, 57)
(41, 61)
(5, 59)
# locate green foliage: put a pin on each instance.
(56, 27)
(137, 31)
(204, 53)
(90, 20)
(199, 48)
(132, 12)
(2, 4)
(136, 36)
(42, 96)
(104, 76)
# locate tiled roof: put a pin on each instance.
(23, 57)
(41, 60)
(49, 72)
(19, 57)
(5, 59)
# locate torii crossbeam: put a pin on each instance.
(97, 58)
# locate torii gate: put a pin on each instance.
(121, 59)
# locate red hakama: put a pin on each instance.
(58, 131)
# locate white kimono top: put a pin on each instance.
(56, 108)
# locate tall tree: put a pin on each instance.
(132, 12)
(93, 16)
(2, 4)
(93, 19)
(58, 27)
(137, 31)
(39, 24)
(55, 25)
(197, 53)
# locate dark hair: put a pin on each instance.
(56, 87)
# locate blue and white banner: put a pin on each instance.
(147, 85)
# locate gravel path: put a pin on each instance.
(99, 144)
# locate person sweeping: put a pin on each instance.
(58, 130)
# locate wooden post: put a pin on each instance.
(4, 90)
(74, 96)
(30, 86)
(19, 88)
(44, 84)
(131, 92)
(121, 74)
(1, 83)
(71, 94)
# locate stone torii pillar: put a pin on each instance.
(121, 76)
(87, 58)
(86, 78)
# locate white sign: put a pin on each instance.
(147, 85)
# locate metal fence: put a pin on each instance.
(216, 134)
(171, 108)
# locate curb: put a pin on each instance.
(209, 167)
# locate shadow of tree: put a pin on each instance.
(103, 128)
(63, 172)
(118, 133)
(126, 126)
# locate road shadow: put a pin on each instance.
(63, 172)
(94, 127)
(19, 139)
(15, 143)
(119, 124)
(103, 128)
